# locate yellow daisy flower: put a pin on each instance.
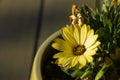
(77, 47)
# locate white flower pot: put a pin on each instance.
(40, 55)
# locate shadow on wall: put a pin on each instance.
(18, 22)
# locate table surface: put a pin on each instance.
(20, 20)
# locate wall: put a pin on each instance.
(19, 21)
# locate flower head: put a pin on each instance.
(77, 47)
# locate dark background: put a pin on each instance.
(20, 20)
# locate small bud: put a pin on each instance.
(76, 17)
(113, 2)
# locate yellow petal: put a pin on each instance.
(71, 28)
(82, 60)
(61, 45)
(89, 35)
(68, 36)
(67, 61)
(90, 52)
(90, 32)
(77, 34)
(90, 40)
(88, 57)
(63, 54)
(74, 61)
(83, 34)
(60, 60)
(88, 27)
(94, 45)
(58, 55)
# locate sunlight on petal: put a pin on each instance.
(88, 57)
(91, 40)
(94, 45)
(62, 54)
(71, 28)
(82, 60)
(83, 34)
(90, 52)
(58, 55)
(74, 61)
(77, 34)
(88, 28)
(68, 36)
(65, 45)
(90, 33)
(67, 61)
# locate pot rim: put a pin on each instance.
(36, 68)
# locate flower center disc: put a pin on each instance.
(79, 50)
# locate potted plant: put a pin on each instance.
(86, 49)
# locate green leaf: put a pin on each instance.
(76, 73)
(104, 8)
(101, 32)
(107, 23)
(65, 70)
(116, 17)
(96, 6)
(88, 14)
(102, 71)
(105, 5)
(73, 72)
(86, 73)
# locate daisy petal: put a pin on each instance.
(88, 27)
(90, 52)
(94, 45)
(74, 61)
(60, 60)
(68, 36)
(83, 34)
(90, 40)
(88, 57)
(58, 55)
(67, 61)
(65, 46)
(82, 60)
(90, 33)
(71, 28)
(77, 34)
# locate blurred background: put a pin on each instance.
(24, 25)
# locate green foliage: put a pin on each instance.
(101, 72)
(106, 23)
